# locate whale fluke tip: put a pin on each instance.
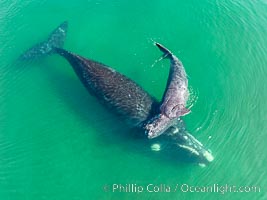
(166, 52)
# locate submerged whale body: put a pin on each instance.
(123, 97)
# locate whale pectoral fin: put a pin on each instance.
(183, 112)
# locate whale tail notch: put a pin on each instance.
(56, 39)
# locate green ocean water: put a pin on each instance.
(58, 142)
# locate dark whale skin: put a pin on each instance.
(128, 100)
(173, 103)
(123, 97)
(114, 90)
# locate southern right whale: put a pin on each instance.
(128, 100)
(124, 97)
(173, 104)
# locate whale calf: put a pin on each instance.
(174, 100)
(176, 93)
(124, 97)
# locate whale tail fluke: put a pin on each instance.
(55, 40)
(166, 52)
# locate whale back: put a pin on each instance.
(114, 90)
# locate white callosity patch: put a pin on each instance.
(202, 165)
(189, 148)
(155, 147)
(176, 130)
(208, 156)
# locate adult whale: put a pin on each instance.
(173, 103)
(124, 97)
(128, 100)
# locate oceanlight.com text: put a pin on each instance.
(184, 188)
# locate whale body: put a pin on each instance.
(114, 90)
(128, 100)
(174, 99)
(122, 96)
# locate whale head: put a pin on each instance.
(178, 142)
(191, 147)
